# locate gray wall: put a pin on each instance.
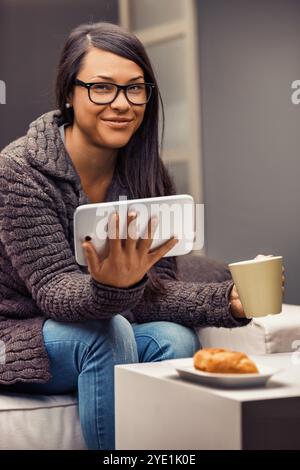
(249, 55)
(32, 33)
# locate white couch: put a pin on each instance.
(30, 422)
(51, 422)
(264, 335)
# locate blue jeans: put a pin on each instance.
(83, 356)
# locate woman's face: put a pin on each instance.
(93, 120)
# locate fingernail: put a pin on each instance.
(87, 238)
(132, 214)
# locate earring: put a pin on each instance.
(68, 105)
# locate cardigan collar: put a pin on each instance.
(47, 152)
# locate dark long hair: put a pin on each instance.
(139, 162)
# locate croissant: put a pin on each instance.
(223, 361)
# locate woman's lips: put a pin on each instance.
(117, 124)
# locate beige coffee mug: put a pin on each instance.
(259, 285)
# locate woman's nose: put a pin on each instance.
(120, 101)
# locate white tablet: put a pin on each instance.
(175, 214)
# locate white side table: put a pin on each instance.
(155, 409)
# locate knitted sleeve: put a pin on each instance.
(191, 304)
(36, 244)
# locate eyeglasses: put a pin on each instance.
(106, 92)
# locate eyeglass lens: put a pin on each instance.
(103, 93)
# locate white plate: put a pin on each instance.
(227, 380)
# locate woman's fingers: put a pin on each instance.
(92, 257)
(157, 253)
(131, 240)
(147, 238)
(114, 234)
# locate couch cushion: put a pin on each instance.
(39, 422)
(264, 335)
(192, 267)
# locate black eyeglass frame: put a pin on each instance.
(118, 87)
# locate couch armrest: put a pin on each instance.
(264, 335)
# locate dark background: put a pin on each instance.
(249, 57)
(32, 33)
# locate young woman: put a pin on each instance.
(64, 327)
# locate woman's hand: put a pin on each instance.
(236, 306)
(128, 260)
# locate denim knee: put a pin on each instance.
(116, 338)
(112, 340)
(162, 340)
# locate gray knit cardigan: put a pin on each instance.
(39, 277)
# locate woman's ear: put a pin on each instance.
(69, 101)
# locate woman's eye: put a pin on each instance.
(136, 88)
(102, 88)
